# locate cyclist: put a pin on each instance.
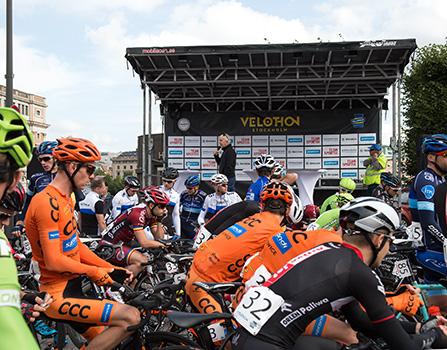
(130, 225)
(221, 259)
(172, 221)
(264, 166)
(218, 200)
(126, 198)
(39, 181)
(329, 220)
(388, 189)
(92, 208)
(311, 213)
(421, 197)
(16, 144)
(345, 188)
(281, 174)
(191, 202)
(331, 276)
(63, 258)
(224, 219)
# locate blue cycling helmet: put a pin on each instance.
(375, 147)
(390, 180)
(435, 143)
(46, 147)
(192, 181)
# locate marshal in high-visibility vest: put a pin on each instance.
(375, 165)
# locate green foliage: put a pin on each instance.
(424, 100)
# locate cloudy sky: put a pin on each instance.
(72, 52)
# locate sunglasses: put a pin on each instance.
(345, 190)
(161, 206)
(44, 159)
(168, 181)
(442, 154)
(90, 169)
(192, 187)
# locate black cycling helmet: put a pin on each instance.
(13, 202)
(169, 174)
(131, 181)
(389, 179)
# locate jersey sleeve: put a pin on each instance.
(201, 218)
(116, 206)
(425, 192)
(99, 207)
(250, 196)
(176, 217)
(136, 220)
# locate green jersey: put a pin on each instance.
(332, 201)
(14, 332)
(329, 220)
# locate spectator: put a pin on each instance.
(225, 157)
(92, 208)
(375, 165)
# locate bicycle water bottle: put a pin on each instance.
(434, 311)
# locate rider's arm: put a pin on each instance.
(116, 206)
(425, 190)
(140, 235)
(176, 218)
(158, 230)
(290, 178)
(90, 258)
(201, 218)
(99, 212)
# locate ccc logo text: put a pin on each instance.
(74, 310)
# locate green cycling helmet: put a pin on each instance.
(347, 184)
(16, 139)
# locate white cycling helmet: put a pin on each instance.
(370, 214)
(264, 161)
(278, 171)
(296, 208)
(219, 179)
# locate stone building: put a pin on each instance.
(125, 164)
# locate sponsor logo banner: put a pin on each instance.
(331, 174)
(243, 141)
(208, 152)
(295, 152)
(349, 139)
(243, 152)
(241, 176)
(192, 164)
(176, 141)
(277, 140)
(331, 151)
(175, 152)
(364, 151)
(175, 163)
(243, 164)
(312, 140)
(349, 163)
(270, 124)
(192, 152)
(209, 141)
(331, 163)
(278, 152)
(312, 163)
(367, 139)
(295, 140)
(297, 163)
(207, 175)
(361, 160)
(312, 152)
(353, 174)
(192, 141)
(331, 139)
(260, 140)
(349, 151)
(209, 164)
(257, 151)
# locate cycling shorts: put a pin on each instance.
(71, 304)
(121, 255)
(203, 301)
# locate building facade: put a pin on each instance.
(125, 164)
(33, 107)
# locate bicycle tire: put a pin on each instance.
(77, 339)
(159, 340)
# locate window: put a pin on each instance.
(38, 112)
(131, 167)
(124, 167)
(26, 110)
(117, 166)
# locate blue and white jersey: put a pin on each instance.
(190, 206)
(89, 207)
(255, 189)
(421, 202)
(36, 183)
(173, 207)
(215, 203)
(121, 202)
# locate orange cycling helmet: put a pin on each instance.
(72, 149)
(277, 190)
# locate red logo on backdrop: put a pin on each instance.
(331, 151)
(313, 140)
(193, 152)
(176, 141)
(243, 141)
(349, 162)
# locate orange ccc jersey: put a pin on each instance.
(222, 258)
(52, 230)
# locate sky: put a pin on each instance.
(72, 52)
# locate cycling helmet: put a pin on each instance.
(219, 179)
(131, 181)
(435, 143)
(46, 147)
(347, 184)
(311, 212)
(296, 208)
(16, 139)
(153, 194)
(169, 174)
(278, 171)
(390, 180)
(72, 149)
(277, 190)
(369, 214)
(342, 199)
(375, 147)
(13, 202)
(192, 181)
(264, 161)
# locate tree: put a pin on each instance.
(424, 101)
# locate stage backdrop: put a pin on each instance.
(337, 141)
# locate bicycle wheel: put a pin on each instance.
(160, 340)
